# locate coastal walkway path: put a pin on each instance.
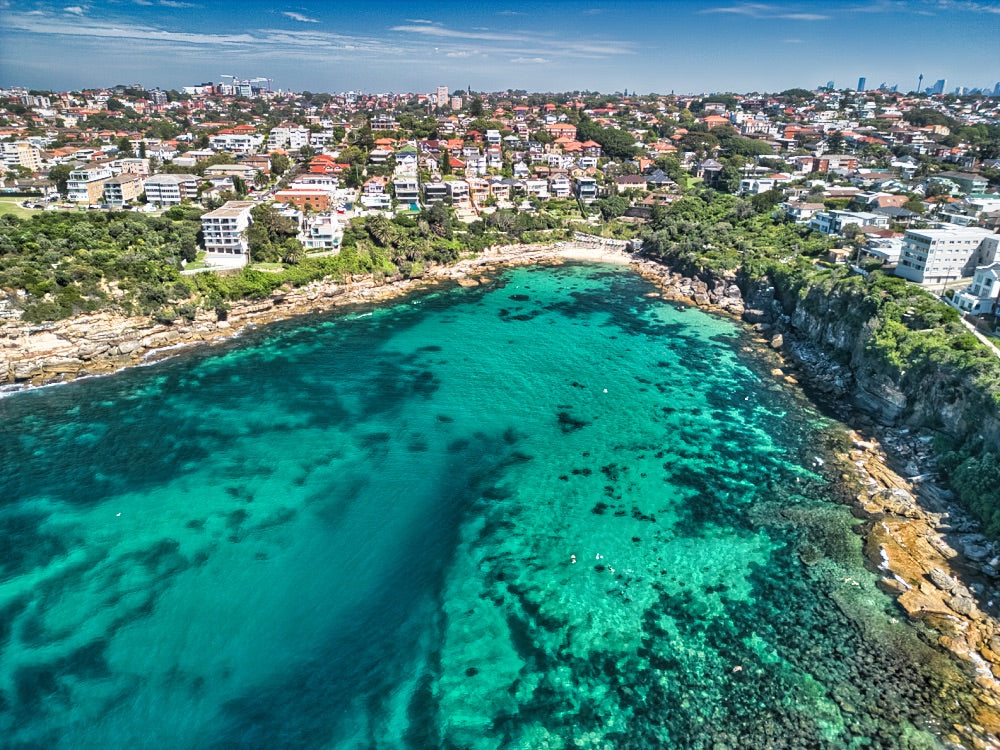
(975, 332)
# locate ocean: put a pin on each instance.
(554, 511)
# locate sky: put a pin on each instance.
(546, 45)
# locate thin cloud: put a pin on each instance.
(258, 40)
(509, 13)
(523, 44)
(419, 20)
(969, 7)
(76, 10)
(177, 4)
(793, 41)
(299, 17)
(441, 31)
(763, 10)
(529, 60)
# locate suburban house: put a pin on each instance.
(561, 129)
(374, 194)
(982, 295)
(709, 170)
(630, 182)
(967, 183)
(459, 190)
(537, 187)
(885, 250)
(835, 222)
(800, 212)
(586, 189)
(434, 192)
(559, 186)
(224, 232)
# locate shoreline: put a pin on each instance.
(905, 527)
(106, 342)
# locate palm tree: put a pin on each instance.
(380, 229)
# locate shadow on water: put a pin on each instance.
(357, 670)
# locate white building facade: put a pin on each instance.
(224, 230)
(937, 256)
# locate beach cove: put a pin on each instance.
(482, 273)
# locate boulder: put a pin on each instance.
(942, 580)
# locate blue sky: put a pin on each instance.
(387, 45)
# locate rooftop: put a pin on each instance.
(230, 210)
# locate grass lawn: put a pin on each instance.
(13, 206)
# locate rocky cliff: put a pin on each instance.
(831, 334)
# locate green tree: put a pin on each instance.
(59, 174)
(835, 142)
(611, 207)
(280, 164)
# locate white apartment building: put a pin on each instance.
(407, 190)
(982, 295)
(131, 165)
(21, 154)
(320, 233)
(291, 137)
(86, 184)
(171, 189)
(937, 256)
(236, 143)
(224, 230)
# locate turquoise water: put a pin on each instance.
(550, 512)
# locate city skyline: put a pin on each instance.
(640, 46)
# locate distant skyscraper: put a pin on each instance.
(442, 96)
(861, 83)
(829, 84)
(939, 86)
(996, 89)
